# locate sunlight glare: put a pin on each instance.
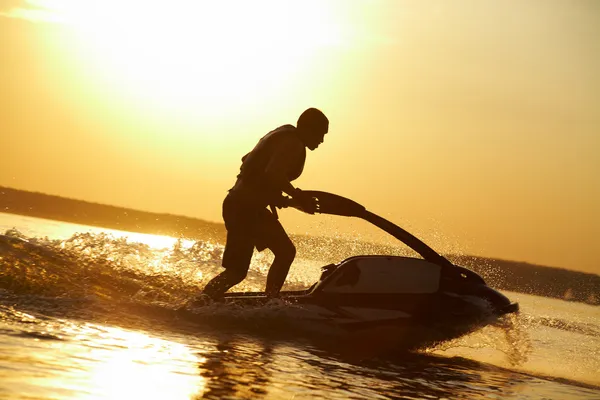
(135, 365)
(156, 242)
(198, 55)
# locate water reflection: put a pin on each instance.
(135, 365)
(244, 367)
(98, 361)
(237, 368)
(91, 361)
(45, 357)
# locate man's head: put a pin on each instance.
(312, 127)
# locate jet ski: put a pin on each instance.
(369, 291)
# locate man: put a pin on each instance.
(266, 172)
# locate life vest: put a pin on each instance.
(254, 164)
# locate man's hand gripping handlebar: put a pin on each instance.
(301, 201)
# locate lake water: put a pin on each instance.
(85, 314)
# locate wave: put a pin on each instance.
(100, 277)
(102, 266)
(96, 273)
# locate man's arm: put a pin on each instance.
(288, 154)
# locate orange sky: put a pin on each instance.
(475, 124)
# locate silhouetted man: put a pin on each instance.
(266, 173)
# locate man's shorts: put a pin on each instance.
(248, 226)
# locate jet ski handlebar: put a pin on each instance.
(329, 203)
(333, 204)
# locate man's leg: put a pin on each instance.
(236, 261)
(284, 250)
(240, 222)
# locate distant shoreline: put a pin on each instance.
(40, 205)
(503, 274)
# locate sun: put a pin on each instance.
(194, 54)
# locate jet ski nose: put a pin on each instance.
(509, 309)
(499, 303)
(462, 281)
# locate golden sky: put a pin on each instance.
(474, 124)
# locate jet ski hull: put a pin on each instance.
(410, 294)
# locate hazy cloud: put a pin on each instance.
(349, 24)
(30, 10)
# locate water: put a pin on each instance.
(85, 313)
